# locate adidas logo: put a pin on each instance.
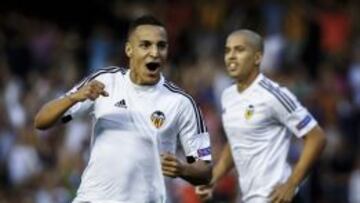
(121, 104)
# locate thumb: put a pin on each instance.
(104, 93)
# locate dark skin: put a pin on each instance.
(196, 173)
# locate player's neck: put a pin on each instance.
(243, 85)
(136, 79)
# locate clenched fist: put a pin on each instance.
(204, 192)
(91, 91)
(171, 166)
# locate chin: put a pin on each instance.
(151, 81)
(233, 75)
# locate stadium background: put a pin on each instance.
(312, 46)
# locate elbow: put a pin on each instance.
(208, 177)
(321, 139)
(316, 139)
(39, 123)
(209, 173)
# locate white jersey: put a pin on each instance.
(132, 126)
(258, 123)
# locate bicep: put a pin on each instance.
(193, 133)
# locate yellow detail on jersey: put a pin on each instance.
(249, 112)
(157, 118)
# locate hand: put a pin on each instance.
(171, 166)
(204, 192)
(283, 193)
(91, 91)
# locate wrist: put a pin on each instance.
(183, 170)
(214, 179)
(293, 183)
(72, 98)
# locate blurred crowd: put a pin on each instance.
(313, 47)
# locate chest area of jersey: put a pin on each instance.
(151, 112)
(245, 114)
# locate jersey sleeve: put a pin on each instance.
(81, 108)
(289, 111)
(77, 110)
(193, 133)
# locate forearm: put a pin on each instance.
(224, 164)
(197, 173)
(314, 143)
(52, 111)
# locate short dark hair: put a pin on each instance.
(255, 38)
(144, 20)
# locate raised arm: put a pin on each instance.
(51, 112)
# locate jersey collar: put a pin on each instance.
(253, 84)
(143, 88)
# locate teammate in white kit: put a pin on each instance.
(137, 115)
(259, 117)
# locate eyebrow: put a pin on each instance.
(236, 46)
(161, 41)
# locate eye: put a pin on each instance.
(239, 48)
(227, 50)
(162, 45)
(145, 44)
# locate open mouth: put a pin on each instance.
(153, 66)
(232, 65)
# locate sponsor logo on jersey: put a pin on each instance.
(249, 112)
(121, 104)
(157, 118)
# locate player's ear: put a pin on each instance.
(128, 49)
(258, 58)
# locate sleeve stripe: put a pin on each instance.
(174, 89)
(280, 97)
(282, 93)
(203, 121)
(110, 69)
(83, 81)
(199, 120)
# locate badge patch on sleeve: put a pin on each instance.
(304, 122)
(204, 152)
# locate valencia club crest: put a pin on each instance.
(158, 118)
(249, 112)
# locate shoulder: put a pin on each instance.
(107, 71)
(229, 91)
(228, 94)
(103, 74)
(178, 94)
(276, 94)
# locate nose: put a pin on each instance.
(230, 55)
(154, 52)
